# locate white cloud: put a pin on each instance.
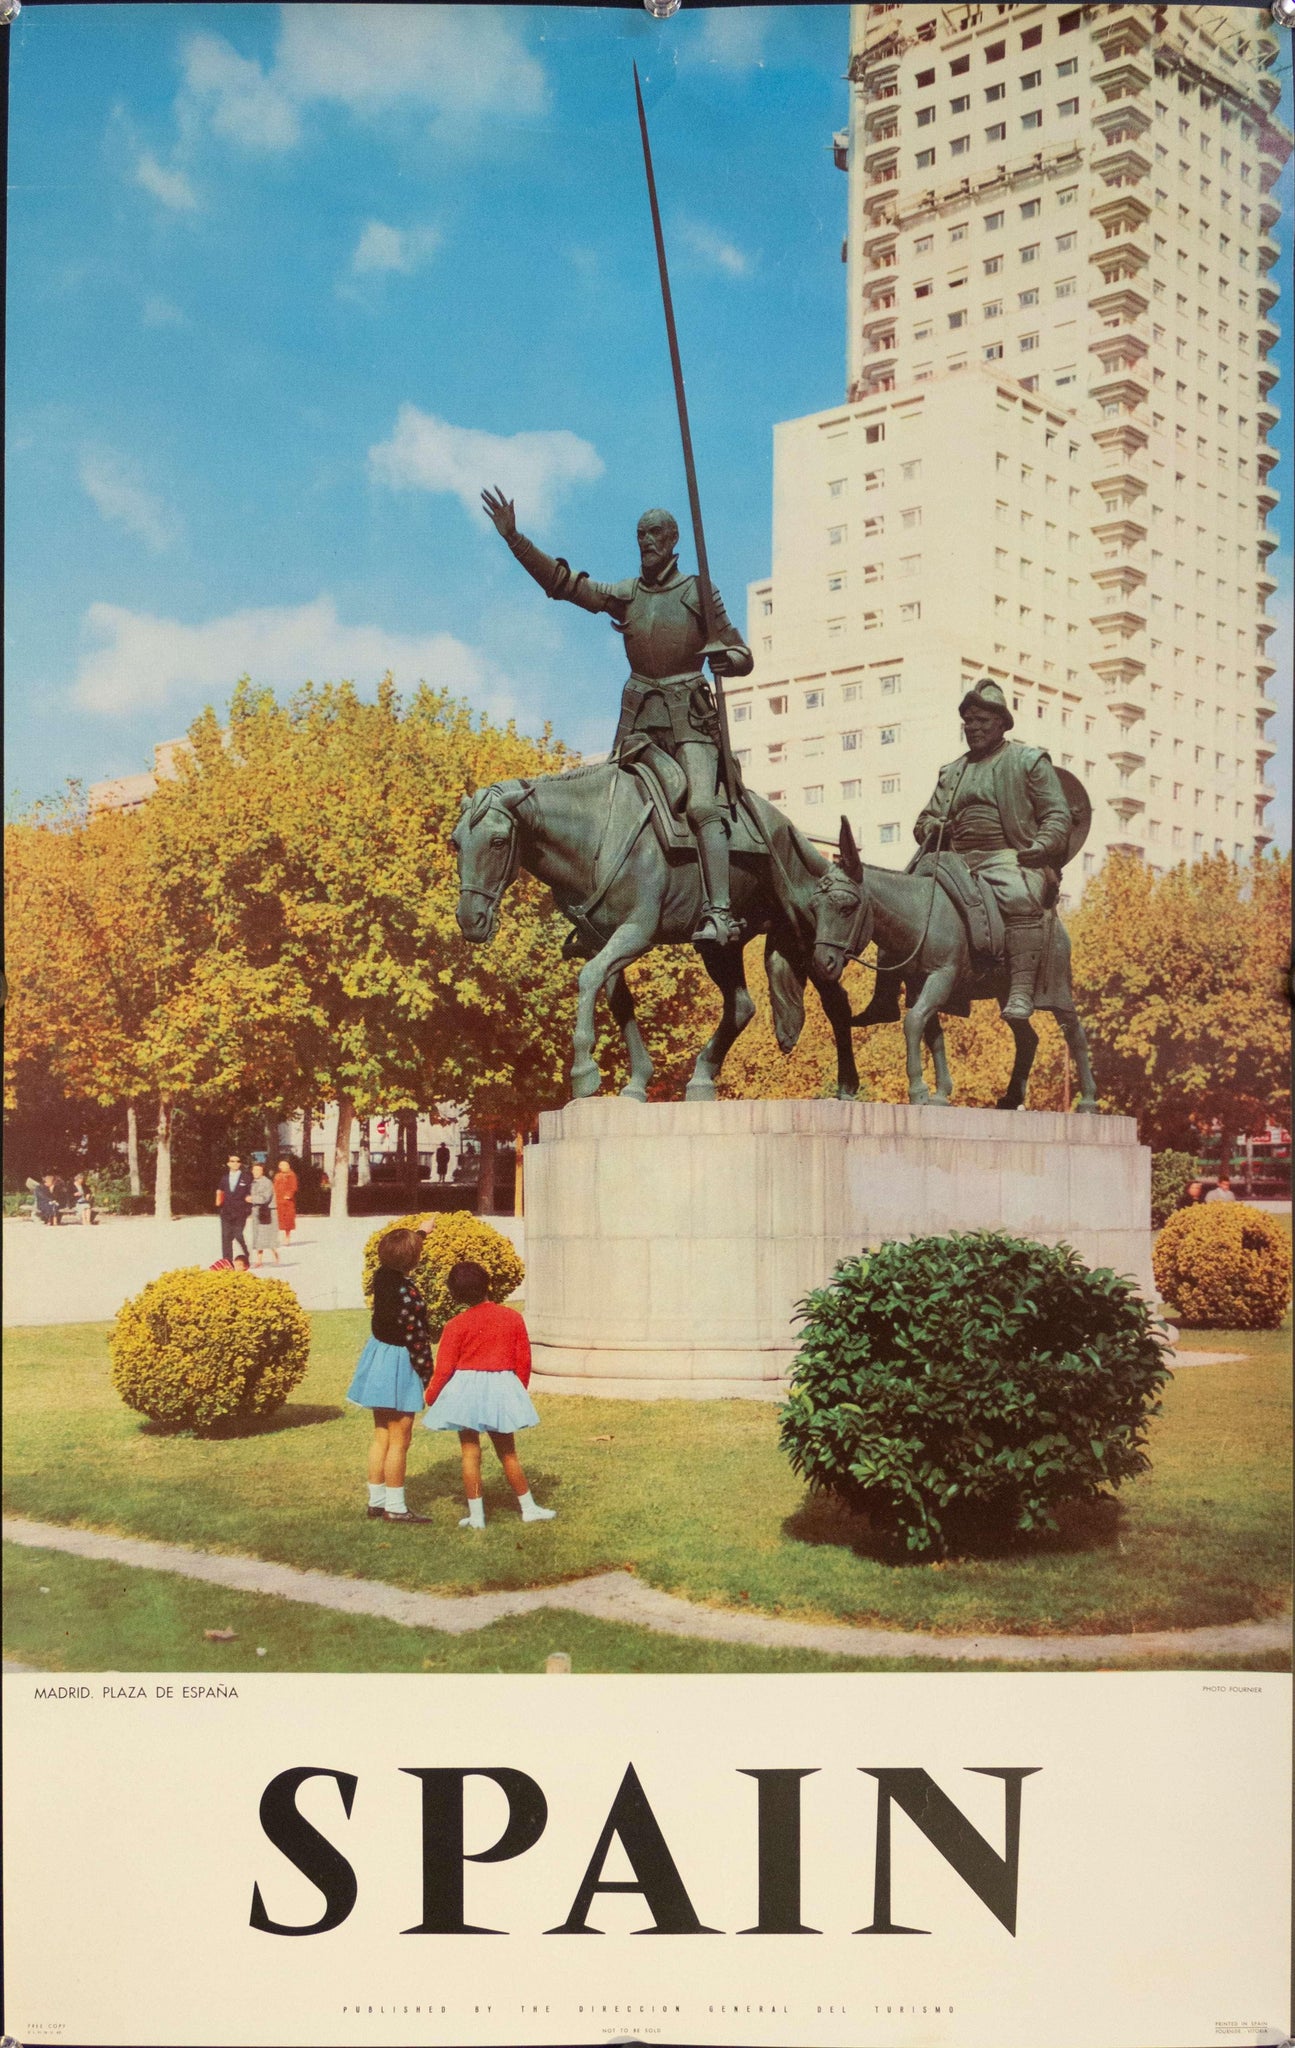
(114, 487)
(536, 469)
(732, 38)
(141, 661)
(459, 64)
(381, 248)
(241, 102)
(159, 312)
(714, 250)
(171, 187)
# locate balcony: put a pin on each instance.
(1266, 459)
(1264, 751)
(1125, 79)
(1125, 214)
(1119, 579)
(1123, 303)
(1126, 808)
(1268, 498)
(1275, 142)
(879, 115)
(1269, 215)
(1121, 166)
(1265, 670)
(1268, 540)
(1270, 92)
(1126, 392)
(1267, 334)
(1263, 627)
(1267, 414)
(1267, 376)
(1118, 625)
(1119, 349)
(1124, 438)
(1118, 260)
(1121, 491)
(1128, 708)
(1267, 294)
(1265, 584)
(1119, 672)
(1267, 252)
(879, 317)
(881, 151)
(1123, 122)
(1123, 533)
(1123, 32)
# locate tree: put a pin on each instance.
(1182, 982)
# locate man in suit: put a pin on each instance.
(233, 1199)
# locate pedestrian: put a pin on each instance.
(265, 1229)
(45, 1193)
(442, 1160)
(483, 1369)
(285, 1199)
(1223, 1192)
(392, 1372)
(1190, 1196)
(232, 1201)
(82, 1200)
(238, 1264)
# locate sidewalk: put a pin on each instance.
(75, 1275)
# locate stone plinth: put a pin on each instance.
(667, 1244)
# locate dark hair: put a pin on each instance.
(468, 1283)
(400, 1250)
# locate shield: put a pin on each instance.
(1081, 812)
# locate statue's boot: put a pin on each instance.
(718, 926)
(1024, 952)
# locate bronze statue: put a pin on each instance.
(1004, 811)
(972, 917)
(661, 618)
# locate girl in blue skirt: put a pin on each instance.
(393, 1370)
(483, 1368)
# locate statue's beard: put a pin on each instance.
(658, 572)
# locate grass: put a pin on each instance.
(693, 1496)
(72, 1614)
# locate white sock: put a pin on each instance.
(476, 1515)
(377, 1495)
(396, 1500)
(532, 1511)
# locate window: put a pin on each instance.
(1030, 253)
(888, 834)
(871, 622)
(739, 713)
(959, 67)
(926, 78)
(909, 614)
(994, 53)
(993, 351)
(992, 265)
(1032, 120)
(1029, 209)
(890, 785)
(998, 133)
(814, 699)
(777, 796)
(909, 471)
(888, 735)
(958, 234)
(851, 741)
(960, 105)
(958, 319)
(910, 565)
(925, 116)
(993, 221)
(994, 92)
(891, 685)
(766, 607)
(911, 516)
(1031, 39)
(1065, 288)
(1030, 79)
(1028, 298)
(1027, 343)
(925, 158)
(1068, 23)
(1067, 108)
(851, 791)
(777, 706)
(873, 479)
(1068, 67)
(924, 289)
(922, 246)
(835, 536)
(836, 582)
(960, 145)
(814, 793)
(992, 309)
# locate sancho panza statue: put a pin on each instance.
(1003, 809)
(658, 613)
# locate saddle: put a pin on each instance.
(664, 786)
(975, 904)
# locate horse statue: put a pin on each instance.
(616, 857)
(924, 945)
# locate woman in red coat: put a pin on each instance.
(285, 1200)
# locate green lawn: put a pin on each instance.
(693, 1496)
(68, 1614)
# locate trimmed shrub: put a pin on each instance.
(953, 1384)
(1171, 1174)
(455, 1234)
(1224, 1266)
(201, 1351)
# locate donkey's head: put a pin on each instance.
(842, 910)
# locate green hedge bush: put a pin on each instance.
(951, 1385)
(455, 1234)
(1171, 1173)
(204, 1351)
(1224, 1266)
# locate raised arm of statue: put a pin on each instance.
(554, 576)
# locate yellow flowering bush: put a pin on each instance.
(1223, 1265)
(201, 1350)
(456, 1234)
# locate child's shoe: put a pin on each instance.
(532, 1511)
(476, 1515)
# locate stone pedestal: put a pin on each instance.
(667, 1244)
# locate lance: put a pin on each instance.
(728, 768)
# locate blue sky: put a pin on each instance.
(287, 284)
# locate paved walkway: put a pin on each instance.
(618, 1596)
(75, 1275)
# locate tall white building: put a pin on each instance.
(1052, 464)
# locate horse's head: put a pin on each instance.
(842, 911)
(485, 841)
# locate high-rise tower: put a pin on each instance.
(1052, 466)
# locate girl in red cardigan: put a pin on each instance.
(483, 1368)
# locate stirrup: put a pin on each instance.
(1019, 1007)
(718, 927)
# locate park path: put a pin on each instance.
(619, 1596)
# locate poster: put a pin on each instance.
(287, 288)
